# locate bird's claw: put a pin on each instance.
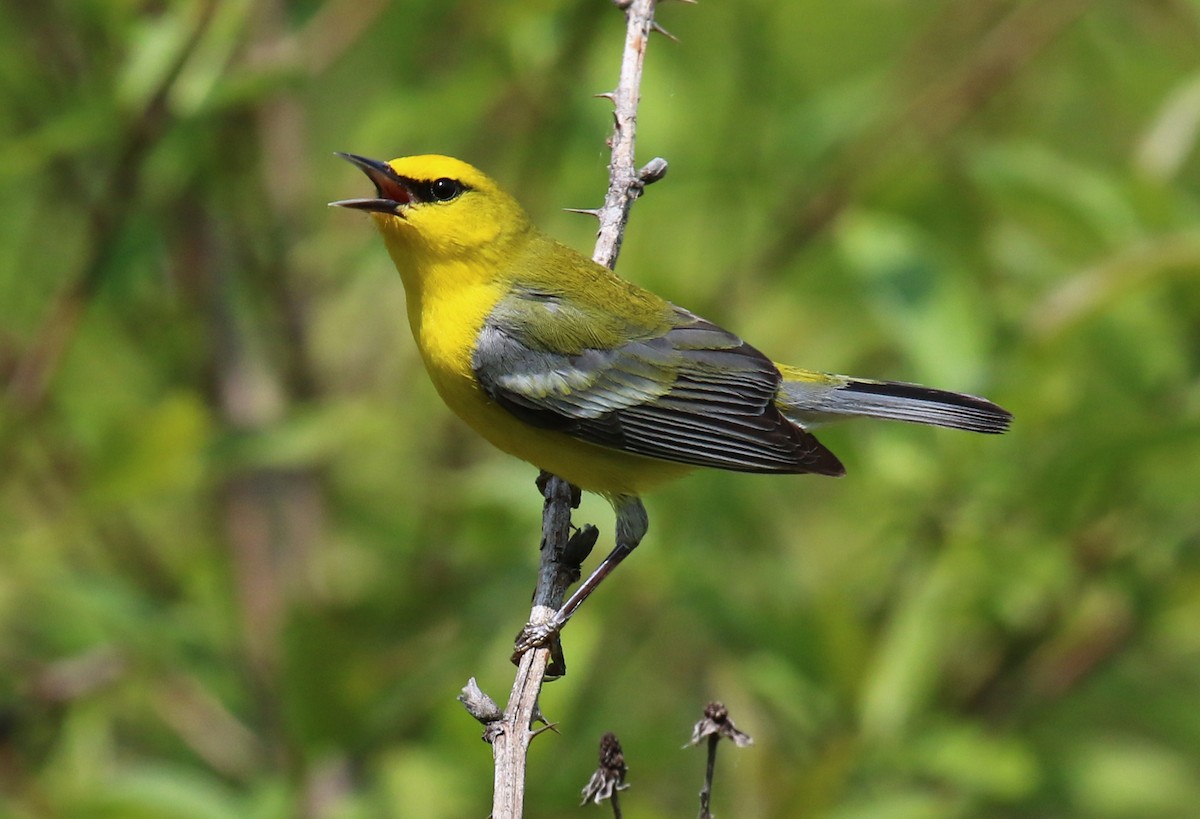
(542, 635)
(534, 635)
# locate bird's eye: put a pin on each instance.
(444, 189)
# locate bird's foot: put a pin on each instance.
(535, 635)
(543, 635)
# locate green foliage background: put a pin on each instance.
(247, 559)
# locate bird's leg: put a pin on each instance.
(632, 524)
(574, 552)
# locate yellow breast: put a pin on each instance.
(446, 323)
(449, 299)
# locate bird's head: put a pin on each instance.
(436, 208)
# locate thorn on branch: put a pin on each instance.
(552, 727)
(609, 778)
(654, 26)
(611, 96)
(653, 171)
(585, 211)
(538, 716)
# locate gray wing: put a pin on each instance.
(695, 394)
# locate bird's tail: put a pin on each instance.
(810, 398)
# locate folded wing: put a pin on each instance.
(687, 392)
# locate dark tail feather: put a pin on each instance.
(898, 401)
(810, 398)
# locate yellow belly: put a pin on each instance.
(445, 335)
(608, 472)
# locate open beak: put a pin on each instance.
(392, 194)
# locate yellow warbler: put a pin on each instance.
(559, 361)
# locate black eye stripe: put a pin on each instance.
(442, 189)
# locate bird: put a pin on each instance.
(559, 361)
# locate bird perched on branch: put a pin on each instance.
(559, 361)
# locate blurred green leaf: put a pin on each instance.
(249, 558)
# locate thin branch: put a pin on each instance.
(511, 735)
(715, 726)
(709, 772)
(559, 567)
(625, 183)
